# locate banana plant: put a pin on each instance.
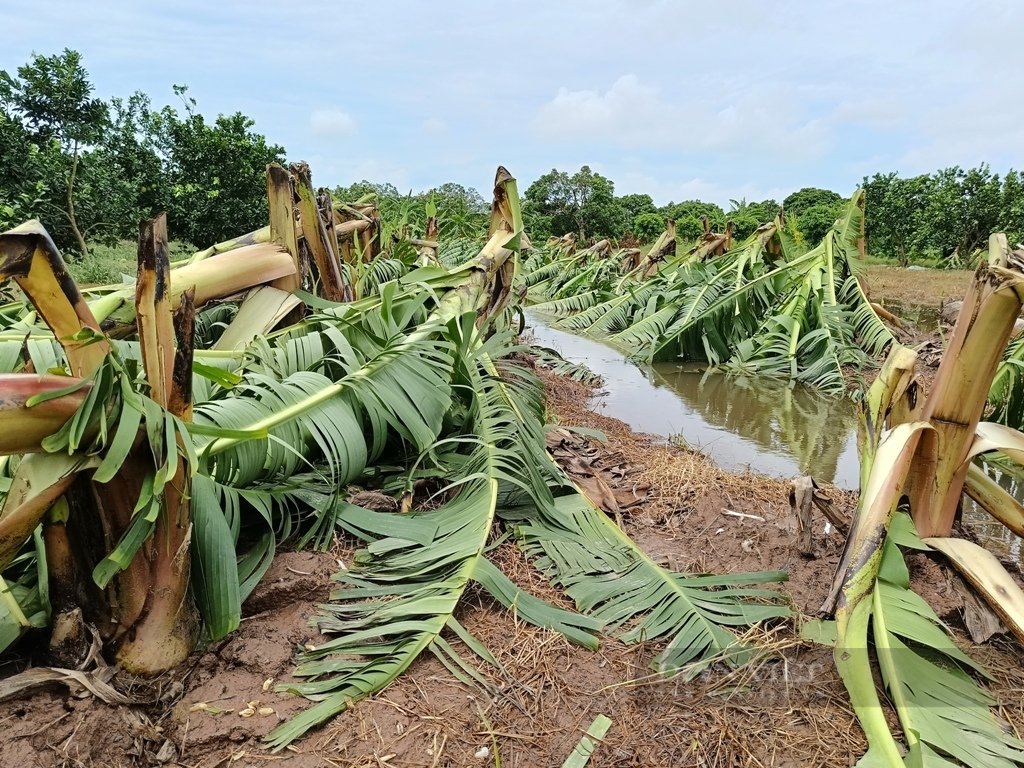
(944, 714)
(923, 449)
(213, 457)
(762, 307)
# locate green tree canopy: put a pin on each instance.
(90, 170)
(216, 173)
(962, 209)
(49, 106)
(747, 217)
(637, 205)
(798, 202)
(815, 221)
(647, 226)
(583, 203)
(893, 213)
(688, 217)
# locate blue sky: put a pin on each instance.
(714, 100)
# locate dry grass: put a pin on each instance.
(921, 287)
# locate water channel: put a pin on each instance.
(740, 422)
(767, 426)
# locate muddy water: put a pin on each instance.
(925, 319)
(739, 422)
(996, 537)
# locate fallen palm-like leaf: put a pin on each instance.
(203, 467)
(95, 683)
(611, 579)
(403, 595)
(761, 307)
(585, 747)
(552, 360)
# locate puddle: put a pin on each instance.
(926, 319)
(767, 426)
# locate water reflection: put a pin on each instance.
(770, 427)
(813, 430)
(925, 318)
(740, 422)
(995, 536)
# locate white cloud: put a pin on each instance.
(435, 126)
(664, 191)
(719, 101)
(333, 123)
(633, 114)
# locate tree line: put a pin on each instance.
(91, 169)
(944, 216)
(585, 203)
(941, 218)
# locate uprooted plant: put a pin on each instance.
(764, 307)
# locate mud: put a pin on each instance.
(786, 709)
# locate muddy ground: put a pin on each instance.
(786, 709)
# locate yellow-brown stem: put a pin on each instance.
(29, 256)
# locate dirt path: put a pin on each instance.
(786, 709)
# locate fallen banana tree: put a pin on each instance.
(922, 449)
(154, 476)
(762, 307)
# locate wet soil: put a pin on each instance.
(786, 709)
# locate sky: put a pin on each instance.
(710, 100)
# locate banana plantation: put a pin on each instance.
(335, 377)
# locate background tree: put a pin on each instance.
(461, 211)
(1012, 208)
(747, 217)
(23, 188)
(583, 203)
(637, 204)
(893, 213)
(765, 211)
(215, 172)
(51, 98)
(802, 199)
(128, 165)
(962, 209)
(815, 221)
(647, 226)
(813, 211)
(687, 216)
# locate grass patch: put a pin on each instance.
(107, 264)
(923, 287)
